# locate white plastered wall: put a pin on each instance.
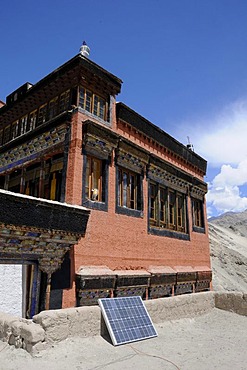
(11, 289)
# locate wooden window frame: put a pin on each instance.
(95, 200)
(23, 125)
(53, 108)
(127, 189)
(6, 134)
(42, 114)
(163, 199)
(153, 217)
(64, 100)
(93, 103)
(93, 179)
(14, 130)
(167, 208)
(1, 137)
(32, 120)
(171, 209)
(180, 212)
(198, 213)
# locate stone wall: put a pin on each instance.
(56, 325)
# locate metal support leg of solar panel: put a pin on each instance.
(127, 319)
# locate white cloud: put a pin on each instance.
(222, 141)
(224, 192)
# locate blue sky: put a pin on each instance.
(183, 64)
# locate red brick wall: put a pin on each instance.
(119, 241)
(74, 166)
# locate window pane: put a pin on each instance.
(198, 213)
(6, 134)
(32, 120)
(14, 129)
(64, 101)
(88, 105)
(180, 213)
(163, 204)
(96, 176)
(171, 209)
(93, 184)
(132, 185)
(153, 204)
(124, 189)
(23, 125)
(88, 178)
(82, 98)
(128, 191)
(42, 114)
(53, 108)
(95, 105)
(101, 108)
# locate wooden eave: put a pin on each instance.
(23, 210)
(35, 97)
(148, 129)
(70, 74)
(177, 172)
(64, 117)
(34, 229)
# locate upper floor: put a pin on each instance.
(38, 122)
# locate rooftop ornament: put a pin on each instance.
(84, 49)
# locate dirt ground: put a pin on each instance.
(217, 340)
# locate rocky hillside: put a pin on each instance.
(228, 244)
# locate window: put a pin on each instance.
(153, 205)
(32, 180)
(95, 180)
(99, 107)
(32, 120)
(180, 213)
(166, 208)
(14, 130)
(85, 99)
(197, 209)
(171, 209)
(129, 192)
(14, 181)
(1, 137)
(64, 101)
(127, 189)
(158, 206)
(23, 125)
(92, 103)
(52, 108)
(6, 134)
(93, 184)
(42, 114)
(163, 207)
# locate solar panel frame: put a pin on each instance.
(127, 319)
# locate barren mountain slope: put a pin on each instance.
(228, 244)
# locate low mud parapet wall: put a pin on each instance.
(22, 333)
(56, 325)
(184, 306)
(231, 301)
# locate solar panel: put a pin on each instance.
(127, 319)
